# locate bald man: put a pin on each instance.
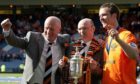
(93, 62)
(36, 46)
(86, 30)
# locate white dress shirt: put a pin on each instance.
(40, 70)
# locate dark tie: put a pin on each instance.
(48, 65)
(84, 65)
(83, 47)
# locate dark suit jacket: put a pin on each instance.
(96, 75)
(33, 43)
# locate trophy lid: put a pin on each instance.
(77, 55)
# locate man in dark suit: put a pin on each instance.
(90, 49)
(92, 52)
(36, 46)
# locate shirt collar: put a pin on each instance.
(87, 43)
(50, 42)
(46, 40)
(117, 27)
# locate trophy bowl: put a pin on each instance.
(76, 66)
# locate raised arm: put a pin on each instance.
(10, 37)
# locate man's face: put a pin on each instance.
(85, 29)
(105, 17)
(51, 30)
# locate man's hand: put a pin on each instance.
(6, 24)
(63, 61)
(113, 33)
(93, 64)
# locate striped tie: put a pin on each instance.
(47, 78)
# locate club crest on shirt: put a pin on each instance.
(132, 44)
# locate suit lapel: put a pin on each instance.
(41, 42)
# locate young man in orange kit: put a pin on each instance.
(120, 50)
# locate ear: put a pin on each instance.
(114, 15)
(93, 28)
(59, 29)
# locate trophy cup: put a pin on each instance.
(76, 66)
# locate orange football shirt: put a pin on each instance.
(118, 68)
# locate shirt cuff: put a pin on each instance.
(6, 33)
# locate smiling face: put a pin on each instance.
(52, 27)
(109, 15)
(107, 19)
(86, 29)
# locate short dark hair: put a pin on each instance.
(113, 8)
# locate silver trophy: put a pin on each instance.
(76, 66)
